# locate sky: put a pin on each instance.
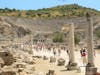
(39, 4)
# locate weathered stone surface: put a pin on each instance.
(20, 65)
(37, 56)
(72, 66)
(61, 62)
(52, 59)
(45, 58)
(1, 62)
(8, 73)
(51, 72)
(90, 70)
(20, 70)
(7, 58)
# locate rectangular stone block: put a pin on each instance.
(52, 59)
(8, 73)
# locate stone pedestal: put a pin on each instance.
(72, 66)
(7, 57)
(61, 62)
(52, 59)
(45, 58)
(51, 72)
(90, 70)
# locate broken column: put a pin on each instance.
(90, 68)
(31, 43)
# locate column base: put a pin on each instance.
(51, 72)
(90, 70)
(72, 66)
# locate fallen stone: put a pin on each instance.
(45, 58)
(61, 62)
(7, 58)
(8, 73)
(52, 59)
(51, 72)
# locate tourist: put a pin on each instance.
(84, 55)
(54, 51)
(59, 52)
(67, 51)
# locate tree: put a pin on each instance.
(98, 33)
(76, 39)
(58, 37)
(13, 9)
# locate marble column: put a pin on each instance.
(71, 43)
(31, 43)
(71, 65)
(90, 68)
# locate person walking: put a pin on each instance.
(54, 51)
(84, 55)
(59, 52)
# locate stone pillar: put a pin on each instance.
(31, 43)
(71, 43)
(71, 65)
(90, 68)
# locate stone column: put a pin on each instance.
(90, 68)
(71, 43)
(31, 43)
(71, 65)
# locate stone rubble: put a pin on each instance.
(15, 61)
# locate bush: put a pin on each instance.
(76, 39)
(58, 37)
(98, 33)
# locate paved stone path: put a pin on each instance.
(43, 65)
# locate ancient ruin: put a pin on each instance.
(72, 65)
(90, 68)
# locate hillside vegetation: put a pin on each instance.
(72, 10)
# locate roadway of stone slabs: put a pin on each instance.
(43, 66)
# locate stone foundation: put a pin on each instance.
(61, 62)
(8, 73)
(52, 59)
(72, 66)
(7, 58)
(90, 70)
(51, 72)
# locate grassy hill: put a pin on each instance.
(72, 10)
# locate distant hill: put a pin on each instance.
(72, 10)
